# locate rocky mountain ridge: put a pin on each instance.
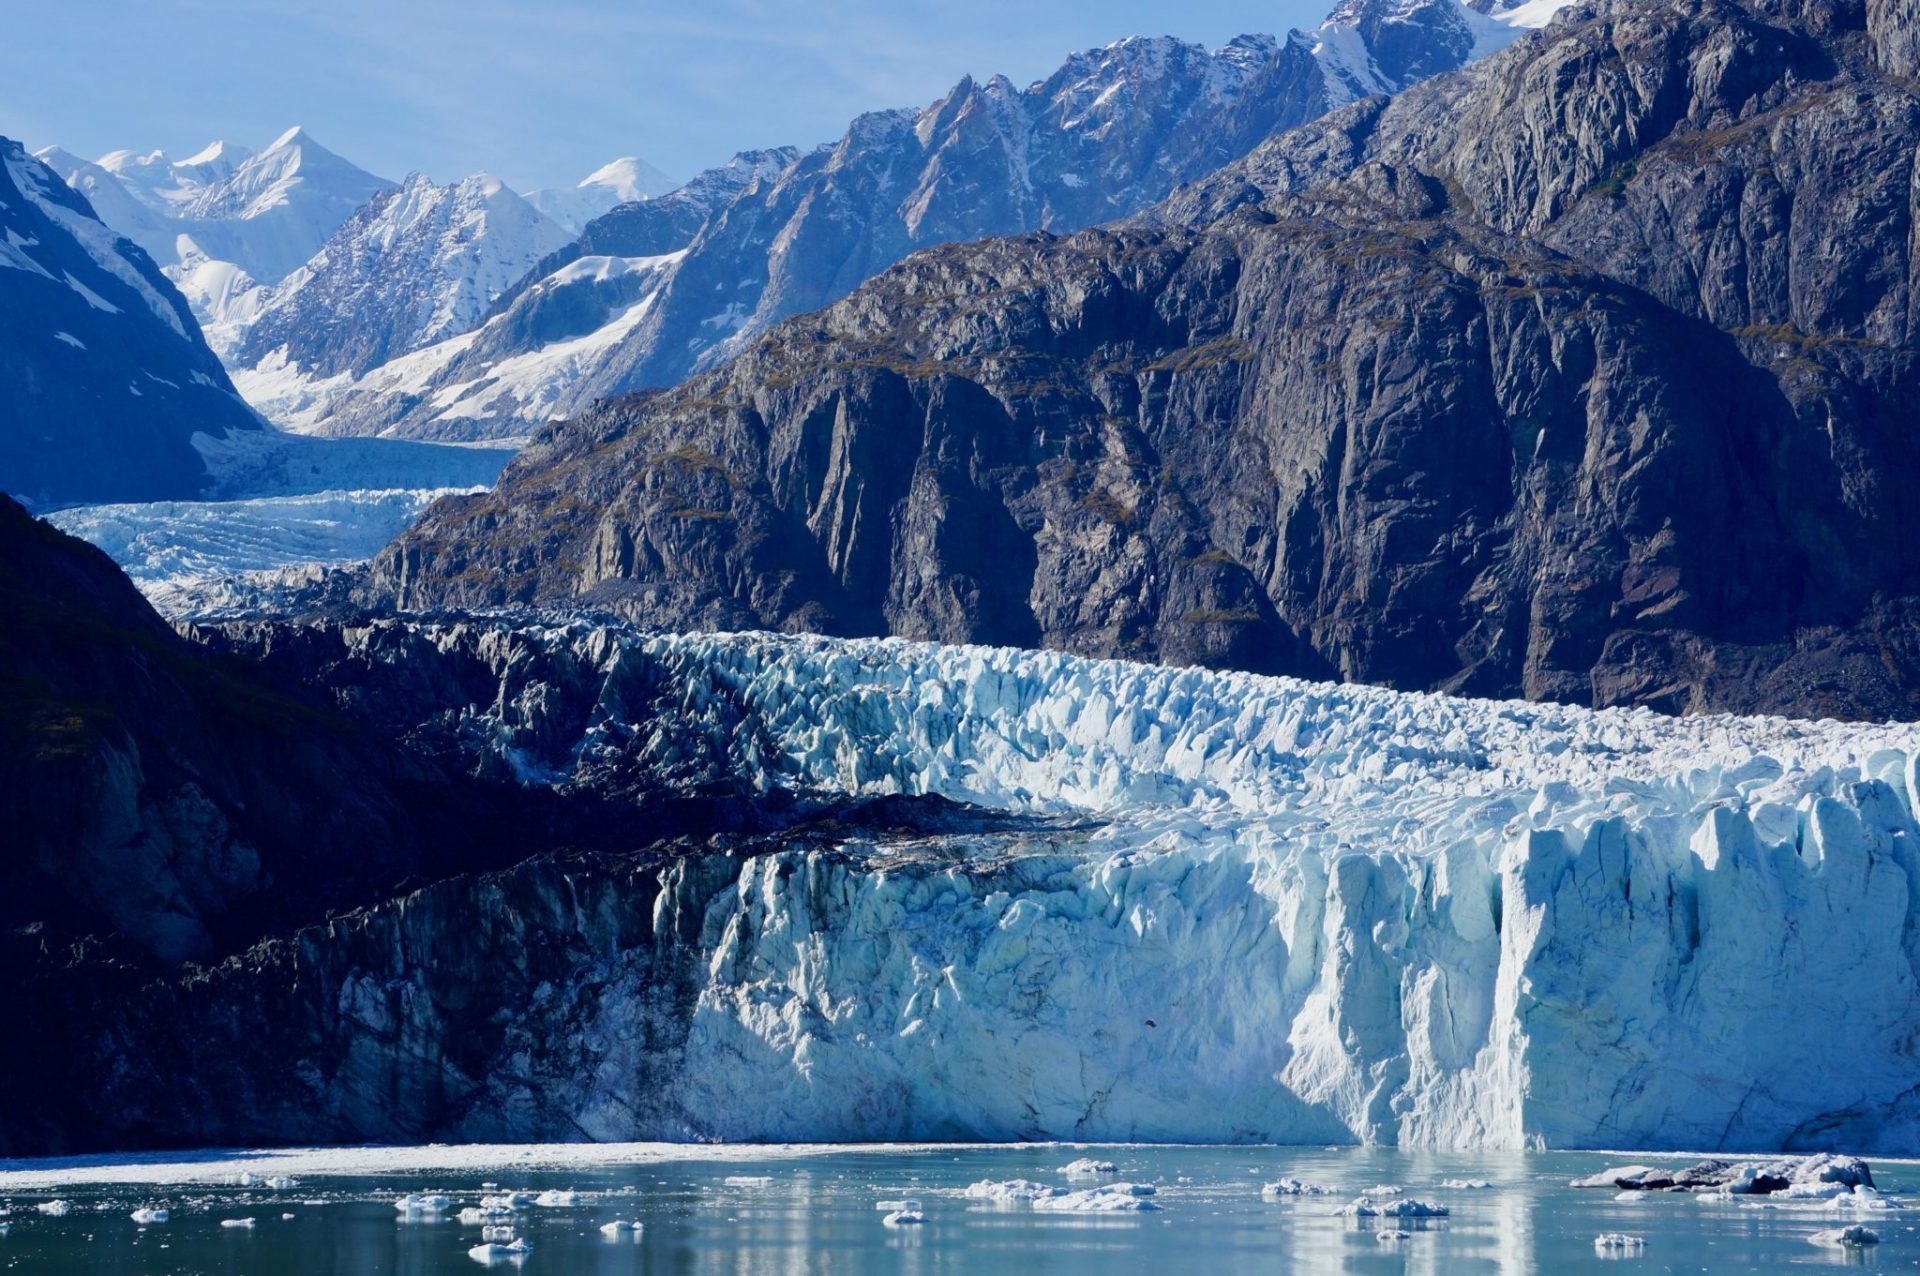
(1109, 133)
(1575, 375)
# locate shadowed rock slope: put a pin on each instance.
(1583, 374)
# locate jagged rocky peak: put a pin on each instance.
(413, 265)
(1567, 444)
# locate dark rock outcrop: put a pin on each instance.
(104, 377)
(1584, 374)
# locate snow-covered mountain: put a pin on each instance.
(104, 378)
(413, 265)
(621, 182)
(226, 221)
(1112, 131)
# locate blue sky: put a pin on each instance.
(540, 92)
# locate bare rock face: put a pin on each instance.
(1583, 374)
(1895, 29)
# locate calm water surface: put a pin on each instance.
(816, 1213)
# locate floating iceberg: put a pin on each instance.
(55, 1209)
(1087, 1168)
(1855, 1237)
(1400, 1207)
(148, 1217)
(1113, 1198)
(558, 1198)
(1619, 1243)
(1285, 1188)
(245, 1223)
(1011, 1191)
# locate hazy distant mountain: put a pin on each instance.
(621, 182)
(226, 221)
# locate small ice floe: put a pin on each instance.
(281, 1183)
(1619, 1243)
(1011, 1191)
(622, 1229)
(237, 1222)
(507, 1201)
(1383, 1189)
(1466, 1185)
(495, 1252)
(1114, 1198)
(1392, 1236)
(424, 1203)
(500, 1233)
(1088, 1168)
(5, 1227)
(888, 1207)
(477, 1215)
(285, 1217)
(748, 1180)
(1855, 1237)
(904, 1218)
(148, 1217)
(558, 1198)
(1404, 1207)
(55, 1209)
(1292, 1187)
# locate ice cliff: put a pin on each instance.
(1219, 907)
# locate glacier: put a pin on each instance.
(1222, 907)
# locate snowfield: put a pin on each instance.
(1253, 909)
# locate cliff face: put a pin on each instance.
(1583, 374)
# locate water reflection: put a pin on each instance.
(817, 1215)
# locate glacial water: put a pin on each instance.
(792, 1210)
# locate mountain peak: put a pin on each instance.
(295, 136)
